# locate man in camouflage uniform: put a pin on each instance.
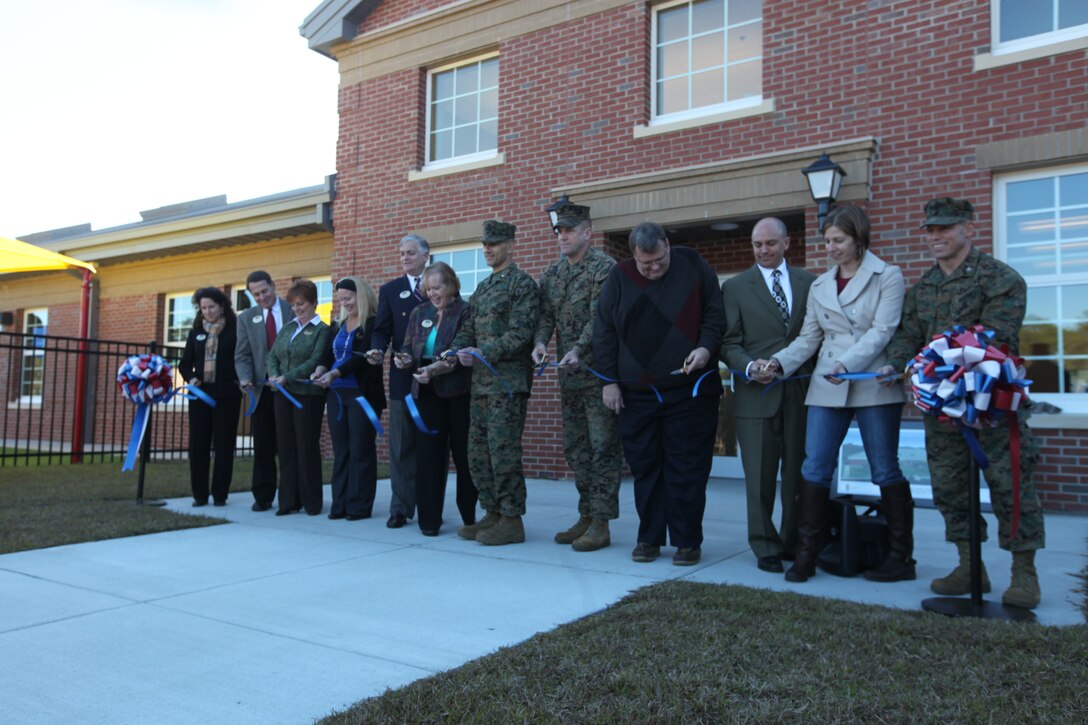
(505, 310)
(968, 287)
(591, 444)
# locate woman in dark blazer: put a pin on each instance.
(208, 363)
(291, 361)
(349, 376)
(441, 392)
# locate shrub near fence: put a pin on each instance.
(38, 427)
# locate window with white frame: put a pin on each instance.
(180, 313)
(1023, 24)
(1041, 219)
(463, 112)
(32, 378)
(707, 57)
(468, 263)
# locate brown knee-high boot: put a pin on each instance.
(813, 515)
(898, 507)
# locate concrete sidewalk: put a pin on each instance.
(284, 619)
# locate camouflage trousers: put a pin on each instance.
(494, 451)
(949, 468)
(591, 445)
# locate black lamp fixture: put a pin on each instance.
(824, 178)
(553, 209)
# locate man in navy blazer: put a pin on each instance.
(257, 330)
(396, 300)
(761, 319)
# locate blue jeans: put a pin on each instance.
(826, 428)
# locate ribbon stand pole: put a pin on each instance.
(976, 606)
(145, 452)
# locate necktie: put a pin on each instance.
(270, 328)
(417, 291)
(780, 296)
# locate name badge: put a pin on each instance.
(427, 323)
(201, 338)
(308, 331)
(258, 319)
(405, 294)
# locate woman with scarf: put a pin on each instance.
(344, 370)
(441, 392)
(208, 363)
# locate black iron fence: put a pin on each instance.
(51, 417)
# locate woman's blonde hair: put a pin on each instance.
(365, 299)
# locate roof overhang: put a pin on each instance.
(335, 21)
(291, 213)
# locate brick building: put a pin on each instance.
(700, 115)
(147, 273)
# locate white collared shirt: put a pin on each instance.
(315, 320)
(412, 282)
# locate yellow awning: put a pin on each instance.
(16, 256)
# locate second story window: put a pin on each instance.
(463, 112)
(1019, 24)
(707, 57)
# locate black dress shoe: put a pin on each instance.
(284, 512)
(357, 517)
(396, 520)
(429, 532)
(770, 563)
(257, 506)
(221, 503)
(199, 503)
(334, 516)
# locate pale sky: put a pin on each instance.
(112, 107)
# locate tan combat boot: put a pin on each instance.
(958, 582)
(1024, 589)
(579, 528)
(471, 530)
(595, 537)
(508, 531)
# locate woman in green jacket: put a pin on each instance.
(291, 362)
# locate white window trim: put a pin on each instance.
(166, 317)
(455, 164)
(453, 248)
(760, 107)
(1032, 47)
(458, 165)
(1074, 405)
(21, 400)
(703, 115)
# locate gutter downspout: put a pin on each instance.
(81, 368)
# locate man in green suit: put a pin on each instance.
(764, 309)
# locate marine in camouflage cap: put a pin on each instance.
(569, 216)
(496, 232)
(945, 211)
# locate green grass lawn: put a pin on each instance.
(68, 504)
(680, 652)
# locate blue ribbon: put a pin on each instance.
(136, 438)
(478, 356)
(252, 402)
(413, 410)
(193, 393)
(371, 414)
(291, 398)
(626, 382)
(976, 448)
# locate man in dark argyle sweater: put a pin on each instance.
(659, 327)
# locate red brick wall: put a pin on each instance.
(570, 95)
